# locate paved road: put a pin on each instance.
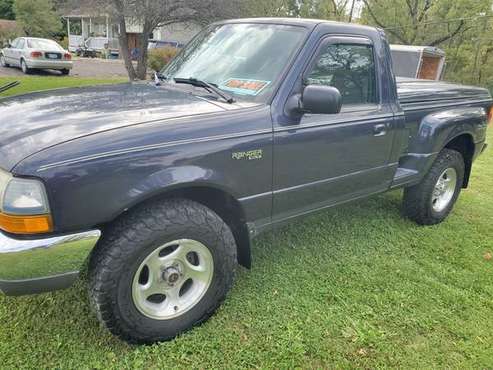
(83, 67)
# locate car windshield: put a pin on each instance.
(245, 60)
(43, 44)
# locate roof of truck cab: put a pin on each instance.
(304, 22)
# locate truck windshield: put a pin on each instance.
(246, 60)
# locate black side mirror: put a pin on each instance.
(320, 99)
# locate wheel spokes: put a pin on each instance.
(173, 278)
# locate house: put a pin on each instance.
(101, 33)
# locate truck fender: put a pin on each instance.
(441, 129)
(202, 185)
(437, 129)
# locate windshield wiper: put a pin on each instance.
(9, 86)
(206, 85)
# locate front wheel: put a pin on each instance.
(161, 270)
(65, 72)
(431, 201)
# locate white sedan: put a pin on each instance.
(30, 53)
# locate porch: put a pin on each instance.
(95, 33)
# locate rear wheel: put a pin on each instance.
(3, 61)
(161, 270)
(431, 201)
(65, 72)
(25, 69)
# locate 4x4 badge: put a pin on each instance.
(249, 155)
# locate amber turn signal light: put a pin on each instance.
(26, 224)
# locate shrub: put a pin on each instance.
(64, 43)
(158, 58)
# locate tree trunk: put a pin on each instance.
(125, 52)
(351, 12)
(142, 60)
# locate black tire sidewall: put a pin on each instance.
(145, 329)
(453, 160)
(24, 67)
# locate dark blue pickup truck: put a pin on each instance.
(161, 186)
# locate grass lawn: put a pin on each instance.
(37, 83)
(355, 286)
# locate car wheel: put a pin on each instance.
(3, 62)
(431, 201)
(161, 270)
(65, 72)
(25, 69)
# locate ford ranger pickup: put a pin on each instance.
(157, 188)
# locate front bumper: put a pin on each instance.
(49, 64)
(43, 264)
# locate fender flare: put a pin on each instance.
(202, 185)
(439, 129)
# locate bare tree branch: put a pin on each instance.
(398, 36)
(459, 28)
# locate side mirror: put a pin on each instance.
(319, 99)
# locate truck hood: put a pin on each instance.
(33, 122)
(412, 90)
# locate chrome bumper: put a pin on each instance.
(44, 264)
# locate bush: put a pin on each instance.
(158, 58)
(64, 43)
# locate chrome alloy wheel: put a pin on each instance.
(444, 190)
(172, 279)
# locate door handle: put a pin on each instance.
(380, 130)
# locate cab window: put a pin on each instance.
(348, 67)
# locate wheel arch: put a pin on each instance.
(457, 129)
(464, 144)
(215, 198)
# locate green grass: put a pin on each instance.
(39, 83)
(355, 286)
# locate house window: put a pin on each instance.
(98, 27)
(115, 30)
(75, 27)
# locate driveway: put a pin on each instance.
(83, 67)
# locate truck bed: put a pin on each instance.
(411, 91)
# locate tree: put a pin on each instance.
(7, 9)
(424, 22)
(262, 8)
(148, 15)
(340, 10)
(460, 27)
(37, 17)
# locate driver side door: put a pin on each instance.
(325, 159)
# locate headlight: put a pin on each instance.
(25, 197)
(24, 206)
